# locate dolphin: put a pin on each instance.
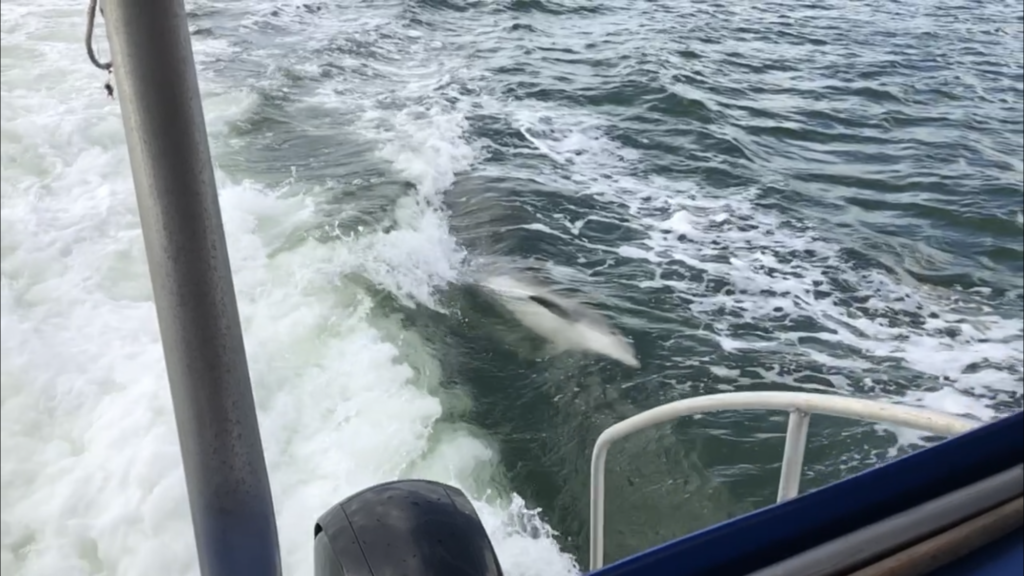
(566, 324)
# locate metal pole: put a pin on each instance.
(793, 456)
(225, 471)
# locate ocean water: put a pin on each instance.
(820, 196)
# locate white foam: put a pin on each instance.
(92, 479)
(418, 254)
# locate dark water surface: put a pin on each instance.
(819, 196)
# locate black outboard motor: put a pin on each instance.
(403, 528)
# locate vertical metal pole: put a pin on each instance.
(597, 473)
(793, 456)
(225, 471)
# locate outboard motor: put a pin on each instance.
(403, 528)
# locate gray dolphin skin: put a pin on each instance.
(566, 324)
(553, 307)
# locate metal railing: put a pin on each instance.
(800, 406)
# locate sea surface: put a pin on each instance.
(813, 196)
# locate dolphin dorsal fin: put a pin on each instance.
(552, 306)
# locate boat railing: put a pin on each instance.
(800, 406)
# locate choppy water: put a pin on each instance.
(763, 196)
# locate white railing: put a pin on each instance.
(800, 406)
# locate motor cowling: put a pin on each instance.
(404, 528)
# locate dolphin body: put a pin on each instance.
(566, 324)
